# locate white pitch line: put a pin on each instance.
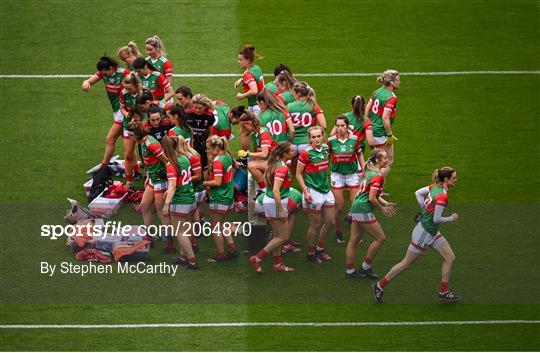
(344, 74)
(279, 324)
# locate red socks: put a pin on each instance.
(320, 245)
(443, 287)
(311, 249)
(262, 254)
(231, 247)
(383, 282)
(277, 260)
(261, 184)
(350, 265)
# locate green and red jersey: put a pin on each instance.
(372, 180)
(253, 74)
(276, 123)
(272, 87)
(195, 162)
(383, 99)
(316, 163)
(222, 124)
(344, 153)
(127, 99)
(178, 131)
(438, 196)
(302, 118)
(296, 196)
(286, 97)
(262, 138)
(222, 166)
(113, 86)
(184, 193)
(157, 83)
(150, 151)
(162, 64)
(281, 172)
(359, 127)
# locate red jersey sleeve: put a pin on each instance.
(303, 157)
(367, 124)
(163, 82)
(217, 168)
(171, 133)
(266, 139)
(155, 149)
(195, 162)
(167, 68)
(248, 78)
(281, 172)
(99, 74)
(171, 171)
(358, 147)
(126, 72)
(391, 104)
(318, 110)
(377, 182)
(441, 200)
(280, 98)
(287, 116)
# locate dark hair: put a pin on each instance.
(275, 155)
(144, 97)
(287, 78)
(155, 109)
(185, 91)
(169, 145)
(441, 174)
(280, 68)
(248, 52)
(105, 63)
(141, 63)
(179, 111)
(135, 111)
(250, 117)
(358, 103)
(138, 129)
(344, 118)
(237, 111)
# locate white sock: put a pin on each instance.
(366, 266)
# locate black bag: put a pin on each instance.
(100, 181)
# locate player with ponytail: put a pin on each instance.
(128, 53)
(156, 56)
(252, 79)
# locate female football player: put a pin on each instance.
(363, 219)
(153, 80)
(432, 200)
(275, 204)
(128, 53)
(156, 50)
(318, 201)
(252, 80)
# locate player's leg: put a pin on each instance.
(350, 252)
(114, 133)
(376, 232)
(445, 250)
(340, 202)
(130, 161)
(314, 217)
(147, 205)
(217, 216)
(328, 215)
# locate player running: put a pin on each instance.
(318, 201)
(112, 76)
(252, 80)
(153, 80)
(345, 154)
(156, 56)
(275, 204)
(381, 110)
(363, 219)
(221, 189)
(432, 199)
(180, 201)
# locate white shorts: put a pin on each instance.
(182, 209)
(118, 118)
(255, 109)
(219, 208)
(126, 134)
(158, 188)
(341, 181)
(379, 141)
(421, 240)
(363, 218)
(270, 207)
(299, 148)
(318, 201)
(259, 208)
(200, 196)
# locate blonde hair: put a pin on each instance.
(387, 77)
(316, 127)
(127, 50)
(203, 100)
(184, 148)
(157, 43)
(304, 90)
(275, 156)
(440, 174)
(373, 159)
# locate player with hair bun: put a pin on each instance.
(359, 124)
(128, 53)
(112, 76)
(318, 201)
(275, 204)
(432, 199)
(156, 56)
(363, 219)
(381, 110)
(253, 78)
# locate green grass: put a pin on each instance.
(483, 125)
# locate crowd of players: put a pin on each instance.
(283, 132)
